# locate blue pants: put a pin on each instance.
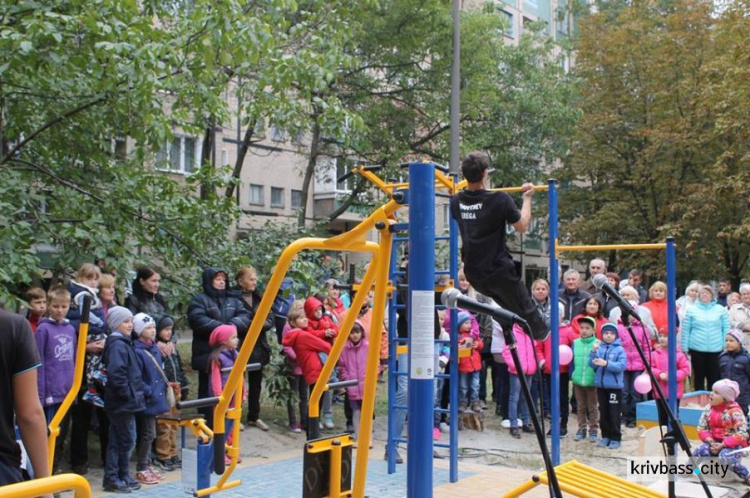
(120, 447)
(468, 388)
(517, 402)
(402, 395)
(734, 461)
(630, 397)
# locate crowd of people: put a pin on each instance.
(134, 371)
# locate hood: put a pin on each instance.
(117, 336)
(312, 304)
(52, 322)
(208, 277)
(616, 342)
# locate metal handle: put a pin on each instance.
(86, 309)
(250, 367)
(219, 453)
(343, 383)
(197, 403)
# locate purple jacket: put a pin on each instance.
(353, 365)
(56, 343)
(631, 353)
(226, 360)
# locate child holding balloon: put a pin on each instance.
(660, 366)
(565, 341)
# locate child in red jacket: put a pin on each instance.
(468, 367)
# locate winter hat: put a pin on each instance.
(463, 317)
(164, 322)
(610, 327)
(116, 315)
(221, 335)
(588, 319)
(141, 321)
(727, 389)
(737, 335)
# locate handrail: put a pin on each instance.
(48, 485)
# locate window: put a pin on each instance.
(343, 166)
(296, 199)
(179, 155)
(277, 197)
(510, 27)
(120, 148)
(277, 135)
(256, 194)
(446, 217)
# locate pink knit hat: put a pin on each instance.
(221, 335)
(737, 335)
(727, 389)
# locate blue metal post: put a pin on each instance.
(554, 323)
(453, 435)
(392, 364)
(671, 326)
(421, 328)
(205, 458)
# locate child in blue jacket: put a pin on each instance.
(609, 361)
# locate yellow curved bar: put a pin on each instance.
(609, 247)
(54, 424)
(48, 485)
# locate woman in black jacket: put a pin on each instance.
(145, 297)
(247, 280)
(207, 310)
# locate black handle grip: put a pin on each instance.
(219, 452)
(374, 167)
(344, 177)
(352, 273)
(442, 167)
(86, 309)
(197, 403)
(250, 367)
(313, 428)
(343, 383)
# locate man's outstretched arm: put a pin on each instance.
(522, 225)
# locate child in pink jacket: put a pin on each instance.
(353, 366)
(529, 356)
(660, 366)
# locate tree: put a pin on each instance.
(652, 155)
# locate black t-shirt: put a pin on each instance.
(482, 217)
(18, 354)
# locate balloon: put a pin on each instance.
(642, 383)
(566, 354)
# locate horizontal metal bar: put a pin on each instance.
(442, 445)
(399, 374)
(399, 407)
(447, 411)
(540, 188)
(609, 247)
(401, 440)
(250, 367)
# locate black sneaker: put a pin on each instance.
(515, 432)
(528, 428)
(132, 483)
(166, 464)
(563, 432)
(81, 470)
(176, 462)
(116, 487)
(349, 428)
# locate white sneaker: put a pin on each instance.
(505, 424)
(444, 428)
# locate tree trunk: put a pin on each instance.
(348, 202)
(207, 158)
(310, 169)
(241, 153)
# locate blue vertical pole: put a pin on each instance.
(421, 327)
(453, 436)
(671, 326)
(392, 364)
(554, 322)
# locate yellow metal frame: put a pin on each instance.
(54, 424)
(48, 485)
(335, 446)
(608, 247)
(587, 482)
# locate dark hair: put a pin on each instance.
(600, 313)
(614, 276)
(474, 166)
(143, 274)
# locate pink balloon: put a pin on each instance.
(566, 354)
(642, 383)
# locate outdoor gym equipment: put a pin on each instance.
(48, 485)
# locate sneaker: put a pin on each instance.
(156, 473)
(462, 407)
(396, 457)
(436, 434)
(614, 445)
(132, 483)
(528, 428)
(350, 428)
(499, 411)
(163, 464)
(327, 422)
(444, 428)
(295, 428)
(81, 470)
(483, 404)
(580, 435)
(515, 432)
(146, 477)
(563, 432)
(603, 443)
(505, 424)
(117, 486)
(176, 461)
(242, 427)
(227, 461)
(593, 435)
(631, 425)
(260, 425)
(476, 407)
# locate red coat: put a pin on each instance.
(567, 336)
(658, 313)
(320, 325)
(307, 346)
(472, 363)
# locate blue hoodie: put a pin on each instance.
(154, 386)
(611, 375)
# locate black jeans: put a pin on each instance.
(609, 413)
(80, 416)
(705, 369)
(502, 381)
(208, 412)
(299, 386)
(254, 388)
(564, 395)
(10, 474)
